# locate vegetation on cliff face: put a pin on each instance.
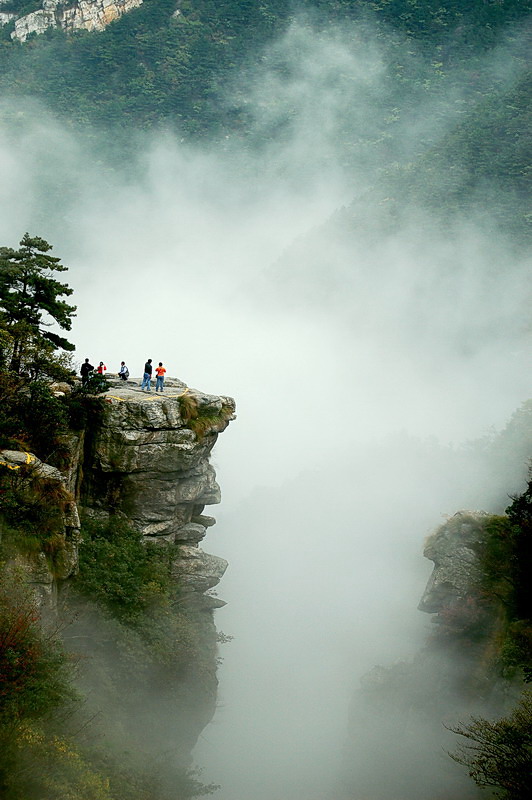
(496, 613)
(201, 420)
(38, 756)
(496, 618)
(132, 582)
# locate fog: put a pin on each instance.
(360, 372)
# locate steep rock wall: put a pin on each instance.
(143, 461)
(402, 710)
(44, 575)
(89, 15)
(139, 458)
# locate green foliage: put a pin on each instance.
(33, 667)
(497, 559)
(149, 67)
(47, 765)
(21, 7)
(202, 420)
(6, 348)
(505, 558)
(95, 384)
(148, 784)
(31, 502)
(131, 579)
(36, 762)
(31, 417)
(120, 571)
(29, 291)
(499, 754)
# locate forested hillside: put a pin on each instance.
(193, 68)
(155, 64)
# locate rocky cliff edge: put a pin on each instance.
(145, 457)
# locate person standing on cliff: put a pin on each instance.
(85, 371)
(146, 380)
(159, 383)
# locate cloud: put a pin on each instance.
(355, 363)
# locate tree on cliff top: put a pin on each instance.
(30, 303)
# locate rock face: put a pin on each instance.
(140, 459)
(89, 15)
(454, 549)
(5, 17)
(402, 710)
(42, 576)
(143, 461)
(143, 457)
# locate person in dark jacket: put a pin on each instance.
(146, 380)
(85, 372)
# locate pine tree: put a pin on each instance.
(30, 301)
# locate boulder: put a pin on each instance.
(454, 548)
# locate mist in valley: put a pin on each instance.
(370, 377)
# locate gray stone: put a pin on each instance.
(454, 549)
(89, 15)
(203, 519)
(197, 571)
(192, 532)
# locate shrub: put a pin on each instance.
(202, 421)
(188, 407)
(32, 504)
(48, 765)
(500, 753)
(120, 571)
(34, 676)
(131, 579)
(505, 555)
(31, 418)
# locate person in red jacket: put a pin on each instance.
(159, 383)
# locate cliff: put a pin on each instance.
(143, 460)
(136, 472)
(140, 459)
(88, 15)
(475, 661)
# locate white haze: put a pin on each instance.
(340, 461)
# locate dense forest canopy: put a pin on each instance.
(198, 72)
(151, 65)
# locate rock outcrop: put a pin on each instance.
(143, 460)
(89, 15)
(454, 548)
(5, 16)
(140, 458)
(403, 710)
(143, 457)
(44, 573)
